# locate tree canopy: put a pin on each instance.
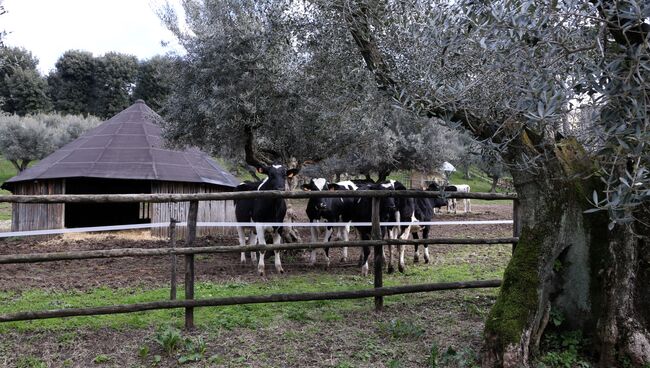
(24, 139)
(269, 82)
(22, 90)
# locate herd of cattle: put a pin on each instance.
(337, 209)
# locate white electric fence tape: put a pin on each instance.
(244, 224)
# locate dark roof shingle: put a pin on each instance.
(127, 146)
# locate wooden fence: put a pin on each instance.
(189, 251)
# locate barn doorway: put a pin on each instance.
(106, 214)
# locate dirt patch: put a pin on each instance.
(403, 335)
(155, 271)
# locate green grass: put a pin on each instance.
(247, 316)
(7, 171)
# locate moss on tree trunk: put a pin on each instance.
(569, 262)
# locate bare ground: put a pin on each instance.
(358, 339)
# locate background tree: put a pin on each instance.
(22, 90)
(113, 83)
(491, 164)
(259, 84)
(154, 81)
(72, 82)
(24, 139)
(26, 92)
(101, 86)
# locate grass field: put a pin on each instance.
(343, 333)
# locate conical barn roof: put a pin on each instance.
(127, 146)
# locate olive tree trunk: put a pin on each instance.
(569, 262)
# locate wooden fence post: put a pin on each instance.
(376, 235)
(172, 245)
(516, 222)
(189, 262)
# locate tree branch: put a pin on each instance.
(358, 24)
(622, 29)
(252, 156)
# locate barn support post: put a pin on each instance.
(189, 262)
(376, 235)
(516, 222)
(172, 245)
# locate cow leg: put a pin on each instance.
(242, 242)
(326, 239)
(416, 256)
(425, 235)
(252, 240)
(260, 240)
(277, 239)
(391, 269)
(346, 237)
(389, 261)
(365, 256)
(401, 266)
(314, 239)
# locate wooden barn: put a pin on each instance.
(124, 155)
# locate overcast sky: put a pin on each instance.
(48, 28)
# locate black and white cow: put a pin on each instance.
(363, 213)
(467, 205)
(261, 210)
(414, 210)
(317, 210)
(451, 202)
(330, 210)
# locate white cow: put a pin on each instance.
(467, 206)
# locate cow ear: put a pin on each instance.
(261, 170)
(292, 172)
(306, 187)
(331, 186)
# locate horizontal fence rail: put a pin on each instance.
(125, 198)
(142, 252)
(242, 224)
(274, 298)
(189, 303)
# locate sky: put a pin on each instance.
(48, 28)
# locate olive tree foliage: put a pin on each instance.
(534, 63)
(509, 73)
(24, 139)
(258, 84)
(3, 33)
(230, 91)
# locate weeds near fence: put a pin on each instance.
(169, 339)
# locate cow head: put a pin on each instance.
(434, 187)
(342, 185)
(277, 177)
(387, 205)
(317, 185)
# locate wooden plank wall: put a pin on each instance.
(209, 211)
(27, 216)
